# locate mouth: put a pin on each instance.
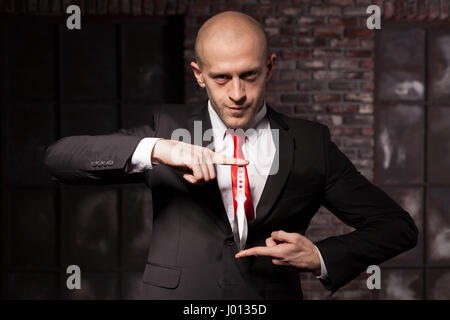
(237, 108)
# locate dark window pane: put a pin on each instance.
(401, 56)
(437, 284)
(90, 119)
(32, 229)
(132, 285)
(89, 63)
(439, 145)
(94, 286)
(32, 286)
(439, 65)
(399, 144)
(438, 226)
(136, 115)
(401, 284)
(31, 130)
(31, 61)
(90, 227)
(152, 65)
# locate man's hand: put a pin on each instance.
(290, 250)
(197, 160)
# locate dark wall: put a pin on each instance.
(59, 82)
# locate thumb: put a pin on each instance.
(282, 236)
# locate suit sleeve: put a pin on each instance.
(383, 228)
(100, 159)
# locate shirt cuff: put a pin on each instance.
(323, 268)
(141, 159)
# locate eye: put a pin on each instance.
(251, 75)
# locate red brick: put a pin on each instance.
(295, 75)
(340, 2)
(327, 32)
(296, 54)
(360, 53)
(199, 9)
(347, 22)
(259, 9)
(312, 86)
(296, 31)
(272, 99)
(330, 120)
(344, 64)
(366, 108)
(343, 86)
(365, 2)
(358, 33)
(277, 21)
(326, 97)
(388, 9)
(325, 11)
(367, 44)
(281, 42)
(367, 131)
(311, 42)
(281, 86)
(367, 64)
(290, 9)
(294, 98)
(359, 97)
(220, 7)
(272, 31)
(311, 64)
(344, 43)
(243, 1)
(355, 11)
(358, 141)
(342, 131)
(342, 108)
(311, 21)
(327, 53)
(366, 152)
(322, 74)
(367, 86)
(309, 108)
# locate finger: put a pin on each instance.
(283, 236)
(197, 171)
(203, 167)
(189, 178)
(270, 242)
(224, 160)
(210, 166)
(273, 251)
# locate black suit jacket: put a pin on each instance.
(191, 253)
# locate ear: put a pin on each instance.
(270, 65)
(198, 74)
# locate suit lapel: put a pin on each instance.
(276, 182)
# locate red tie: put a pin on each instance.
(248, 205)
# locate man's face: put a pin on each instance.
(234, 74)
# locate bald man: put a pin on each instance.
(230, 209)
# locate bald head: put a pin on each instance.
(229, 28)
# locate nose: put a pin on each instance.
(237, 91)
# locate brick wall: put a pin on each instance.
(324, 72)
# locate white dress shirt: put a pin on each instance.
(258, 148)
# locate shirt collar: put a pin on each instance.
(258, 123)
